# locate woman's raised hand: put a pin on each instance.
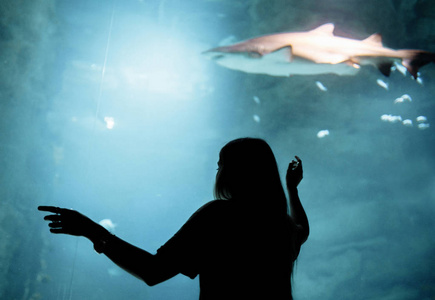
(294, 173)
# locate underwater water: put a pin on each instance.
(110, 108)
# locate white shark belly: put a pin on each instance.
(283, 68)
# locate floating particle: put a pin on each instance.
(256, 118)
(403, 98)
(398, 100)
(110, 122)
(419, 80)
(407, 122)
(322, 133)
(385, 117)
(108, 224)
(321, 86)
(423, 126)
(256, 99)
(391, 118)
(382, 84)
(401, 68)
(406, 97)
(421, 119)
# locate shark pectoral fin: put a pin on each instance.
(283, 54)
(385, 67)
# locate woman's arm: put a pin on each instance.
(134, 260)
(297, 212)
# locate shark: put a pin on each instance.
(313, 52)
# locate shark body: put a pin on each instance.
(317, 51)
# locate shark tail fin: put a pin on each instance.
(413, 60)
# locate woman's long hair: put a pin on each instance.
(248, 172)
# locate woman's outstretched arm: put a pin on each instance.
(132, 259)
(297, 212)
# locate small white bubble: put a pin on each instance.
(399, 67)
(421, 119)
(403, 98)
(391, 118)
(321, 86)
(108, 224)
(423, 126)
(256, 118)
(110, 122)
(407, 122)
(322, 133)
(382, 84)
(406, 97)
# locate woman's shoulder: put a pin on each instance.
(211, 208)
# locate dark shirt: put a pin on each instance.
(238, 252)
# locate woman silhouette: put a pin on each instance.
(242, 245)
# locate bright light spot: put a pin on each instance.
(110, 122)
(391, 118)
(382, 84)
(421, 119)
(399, 67)
(407, 122)
(256, 118)
(356, 66)
(166, 63)
(403, 98)
(322, 133)
(321, 86)
(108, 224)
(423, 126)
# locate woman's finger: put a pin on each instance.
(53, 218)
(52, 209)
(298, 159)
(55, 225)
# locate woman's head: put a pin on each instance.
(248, 171)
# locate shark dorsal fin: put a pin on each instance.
(375, 39)
(327, 28)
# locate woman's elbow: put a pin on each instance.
(304, 232)
(156, 277)
(149, 280)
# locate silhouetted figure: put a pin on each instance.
(242, 245)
